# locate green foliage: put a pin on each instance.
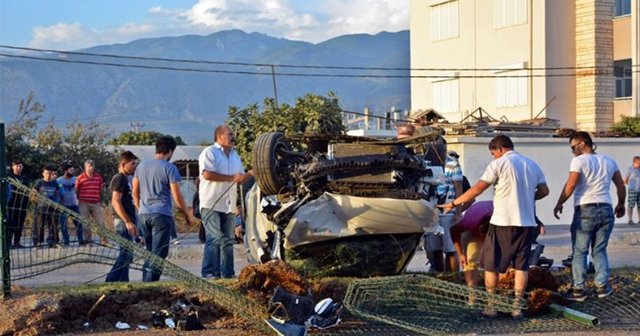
(38, 146)
(147, 138)
(312, 114)
(629, 126)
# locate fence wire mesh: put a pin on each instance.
(421, 304)
(34, 232)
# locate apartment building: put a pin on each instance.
(571, 60)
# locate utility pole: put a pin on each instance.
(136, 126)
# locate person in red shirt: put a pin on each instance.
(89, 187)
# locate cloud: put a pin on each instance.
(312, 21)
(69, 36)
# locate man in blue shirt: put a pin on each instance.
(155, 183)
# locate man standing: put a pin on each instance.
(88, 187)
(632, 180)
(589, 180)
(17, 205)
(155, 182)
(518, 183)
(222, 172)
(124, 214)
(46, 216)
(67, 185)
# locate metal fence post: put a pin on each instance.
(5, 264)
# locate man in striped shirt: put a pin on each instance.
(88, 187)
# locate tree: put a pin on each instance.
(312, 114)
(39, 146)
(145, 138)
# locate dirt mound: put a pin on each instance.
(259, 281)
(539, 278)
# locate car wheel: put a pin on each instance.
(269, 162)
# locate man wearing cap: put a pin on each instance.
(441, 247)
(67, 186)
(88, 187)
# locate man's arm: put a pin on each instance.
(116, 202)
(240, 178)
(541, 191)
(622, 193)
(567, 191)
(135, 192)
(180, 203)
(468, 196)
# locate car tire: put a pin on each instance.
(269, 166)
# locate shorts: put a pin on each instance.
(472, 245)
(507, 246)
(633, 199)
(437, 242)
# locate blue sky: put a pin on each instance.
(74, 24)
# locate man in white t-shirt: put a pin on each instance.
(632, 180)
(221, 172)
(518, 182)
(589, 181)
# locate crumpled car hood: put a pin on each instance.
(333, 216)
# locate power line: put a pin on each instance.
(287, 74)
(178, 60)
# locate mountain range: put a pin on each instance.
(151, 84)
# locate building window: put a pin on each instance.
(444, 20)
(623, 7)
(509, 12)
(622, 73)
(445, 95)
(512, 88)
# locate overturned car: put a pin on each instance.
(342, 206)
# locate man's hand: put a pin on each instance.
(446, 207)
(556, 210)
(619, 210)
(241, 178)
(131, 228)
(463, 260)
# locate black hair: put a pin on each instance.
(584, 137)
(16, 162)
(127, 156)
(66, 165)
(49, 168)
(500, 140)
(166, 144)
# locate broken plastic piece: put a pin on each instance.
(286, 329)
(122, 325)
(169, 322)
(142, 327)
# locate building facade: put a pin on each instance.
(571, 60)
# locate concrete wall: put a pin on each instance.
(553, 155)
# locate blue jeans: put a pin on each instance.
(120, 269)
(65, 230)
(156, 230)
(218, 247)
(591, 227)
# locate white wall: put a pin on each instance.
(553, 155)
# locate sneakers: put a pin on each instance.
(576, 294)
(604, 291)
(630, 222)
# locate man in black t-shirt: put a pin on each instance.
(17, 205)
(124, 214)
(46, 216)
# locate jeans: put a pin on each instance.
(156, 230)
(65, 230)
(218, 247)
(120, 269)
(591, 227)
